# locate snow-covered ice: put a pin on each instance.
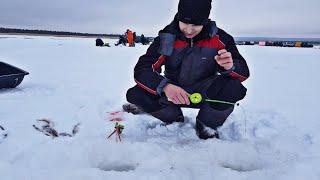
(274, 134)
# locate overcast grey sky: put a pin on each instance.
(285, 18)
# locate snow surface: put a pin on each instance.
(274, 134)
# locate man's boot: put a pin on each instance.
(132, 108)
(209, 119)
(205, 132)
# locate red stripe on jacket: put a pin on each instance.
(180, 44)
(213, 42)
(159, 62)
(145, 87)
(237, 76)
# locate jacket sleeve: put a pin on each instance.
(146, 74)
(240, 68)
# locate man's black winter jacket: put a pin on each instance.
(187, 61)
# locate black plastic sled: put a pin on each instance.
(10, 76)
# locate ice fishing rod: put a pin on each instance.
(196, 98)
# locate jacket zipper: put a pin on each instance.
(191, 42)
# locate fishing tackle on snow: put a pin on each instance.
(118, 128)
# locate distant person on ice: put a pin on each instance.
(122, 40)
(144, 40)
(130, 38)
(198, 57)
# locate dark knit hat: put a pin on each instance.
(194, 11)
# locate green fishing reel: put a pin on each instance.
(195, 98)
